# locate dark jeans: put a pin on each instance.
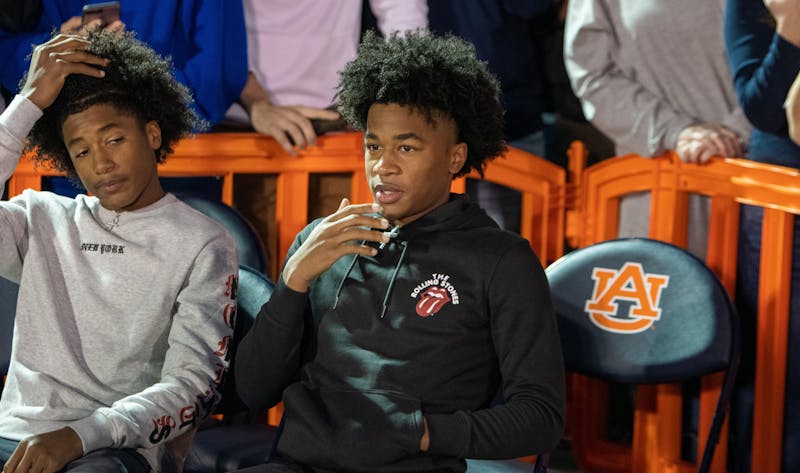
(106, 460)
(741, 426)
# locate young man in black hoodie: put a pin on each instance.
(395, 323)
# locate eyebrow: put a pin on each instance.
(101, 129)
(402, 136)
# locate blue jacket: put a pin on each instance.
(763, 66)
(206, 40)
(501, 34)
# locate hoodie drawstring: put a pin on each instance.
(391, 281)
(394, 276)
(341, 283)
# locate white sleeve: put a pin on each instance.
(194, 366)
(636, 119)
(15, 123)
(400, 15)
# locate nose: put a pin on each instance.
(386, 164)
(103, 163)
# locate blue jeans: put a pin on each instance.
(105, 460)
(501, 203)
(741, 426)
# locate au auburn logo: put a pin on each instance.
(630, 283)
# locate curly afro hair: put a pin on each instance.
(137, 81)
(432, 75)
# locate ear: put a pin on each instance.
(153, 133)
(458, 156)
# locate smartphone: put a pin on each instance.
(106, 12)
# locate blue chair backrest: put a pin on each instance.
(641, 311)
(8, 309)
(254, 290)
(248, 242)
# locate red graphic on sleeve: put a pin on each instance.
(162, 428)
(431, 301)
(219, 373)
(229, 315)
(187, 416)
(224, 347)
(232, 287)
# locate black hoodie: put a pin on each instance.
(450, 311)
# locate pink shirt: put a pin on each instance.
(296, 48)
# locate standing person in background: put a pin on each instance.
(653, 77)
(501, 34)
(763, 44)
(296, 49)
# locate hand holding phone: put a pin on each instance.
(106, 12)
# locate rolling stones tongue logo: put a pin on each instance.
(434, 294)
(431, 301)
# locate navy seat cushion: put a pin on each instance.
(690, 336)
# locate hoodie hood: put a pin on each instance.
(458, 213)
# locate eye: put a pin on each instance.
(117, 140)
(406, 148)
(81, 153)
(372, 147)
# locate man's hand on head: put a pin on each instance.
(45, 453)
(52, 62)
(337, 235)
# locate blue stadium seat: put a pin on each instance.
(640, 311)
(248, 242)
(237, 441)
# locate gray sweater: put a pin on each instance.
(644, 70)
(122, 319)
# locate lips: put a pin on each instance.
(109, 186)
(387, 194)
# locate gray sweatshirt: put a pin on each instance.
(123, 319)
(644, 70)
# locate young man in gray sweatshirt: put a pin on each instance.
(126, 296)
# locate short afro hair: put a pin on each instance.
(137, 81)
(430, 74)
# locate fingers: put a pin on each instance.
(53, 61)
(115, 26)
(71, 26)
(699, 143)
(356, 209)
(289, 127)
(79, 56)
(13, 463)
(344, 203)
(321, 113)
(85, 29)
